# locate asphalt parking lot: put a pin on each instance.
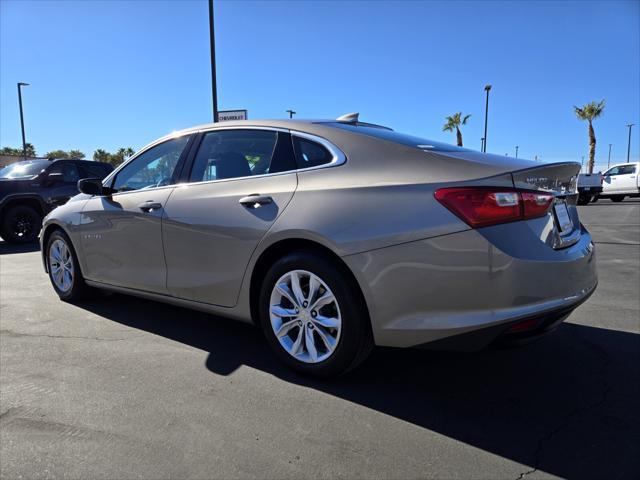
(127, 388)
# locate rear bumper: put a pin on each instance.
(589, 190)
(514, 332)
(446, 287)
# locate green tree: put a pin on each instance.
(30, 151)
(114, 159)
(65, 154)
(590, 112)
(57, 154)
(453, 123)
(101, 155)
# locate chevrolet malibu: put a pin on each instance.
(332, 236)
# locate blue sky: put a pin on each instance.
(106, 74)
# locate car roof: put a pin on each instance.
(83, 160)
(312, 126)
(622, 164)
(289, 124)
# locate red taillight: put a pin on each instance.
(535, 204)
(481, 207)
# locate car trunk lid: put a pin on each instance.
(561, 180)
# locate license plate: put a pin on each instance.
(562, 216)
(587, 189)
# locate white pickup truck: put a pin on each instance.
(621, 181)
(589, 187)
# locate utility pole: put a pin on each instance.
(24, 142)
(609, 161)
(487, 88)
(214, 82)
(482, 144)
(291, 113)
(629, 141)
(517, 151)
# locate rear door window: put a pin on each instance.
(97, 170)
(227, 154)
(69, 171)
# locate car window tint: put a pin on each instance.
(309, 153)
(234, 154)
(153, 168)
(95, 170)
(626, 170)
(68, 170)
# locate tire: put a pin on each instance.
(344, 322)
(584, 199)
(76, 288)
(21, 224)
(617, 198)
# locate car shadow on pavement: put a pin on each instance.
(8, 248)
(566, 405)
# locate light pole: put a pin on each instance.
(212, 44)
(482, 144)
(487, 88)
(629, 141)
(291, 113)
(517, 151)
(24, 142)
(609, 161)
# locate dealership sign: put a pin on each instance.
(229, 115)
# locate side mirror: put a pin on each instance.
(91, 186)
(53, 178)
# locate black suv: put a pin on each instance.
(31, 189)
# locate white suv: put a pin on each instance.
(621, 181)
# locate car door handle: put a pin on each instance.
(255, 200)
(150, 206)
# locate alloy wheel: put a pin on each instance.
(61, 265)
(22, 226)
(305, 316)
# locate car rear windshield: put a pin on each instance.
(26, 169)
(396, 137)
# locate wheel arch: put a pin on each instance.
(282, 247)
(33, 201)
(46, 233)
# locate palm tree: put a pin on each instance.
(589, 112)
(454, 122)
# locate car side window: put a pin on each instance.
(238, 153)
(153, 168)
(68, 170)
(627, 170)
(612, 172)
(95, 170)
(309, 153)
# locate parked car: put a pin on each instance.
(332, 236)
(31, 189)
(589, 186)
(621, 181)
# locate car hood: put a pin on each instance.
(10, 186)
